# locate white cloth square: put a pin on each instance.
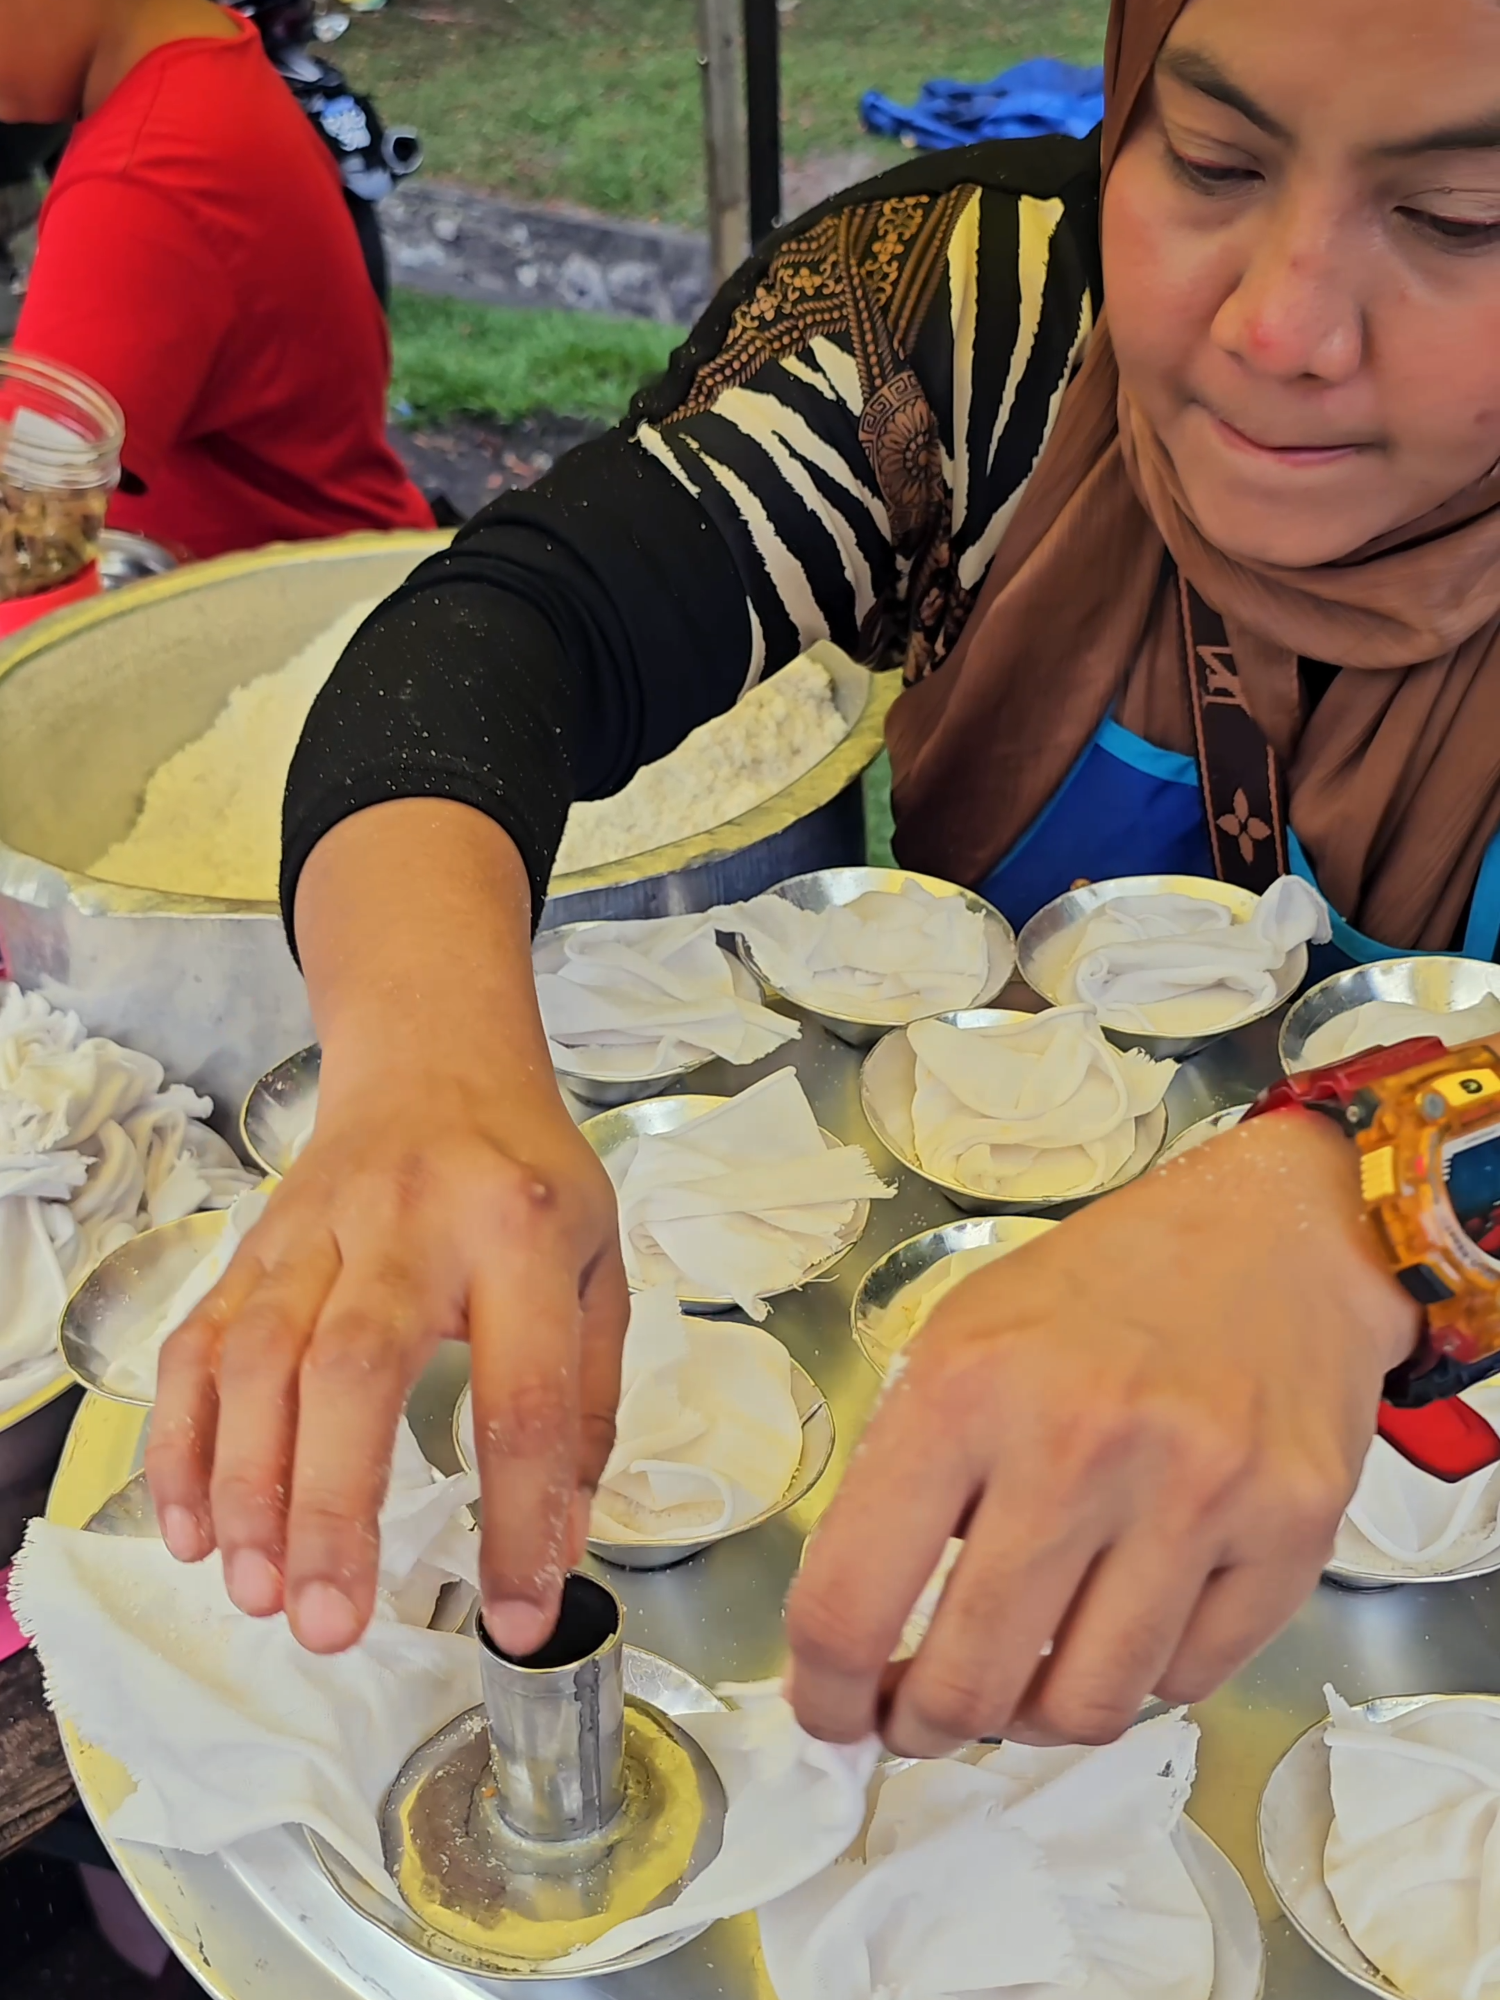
(1182, 965)
(742, 1202)
(625, 1000)
(1380, 1024)
(1413, 1857)
(708, 1434)
(1039, 1107)
(94, 1147)
(1040, 1873)
(883, 956)
(1420, 1524)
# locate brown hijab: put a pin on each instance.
(1394, 779)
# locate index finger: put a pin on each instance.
(525, 1341)
(907, 1487)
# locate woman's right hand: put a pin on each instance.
(445, 1193)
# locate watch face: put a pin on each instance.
(1471, 1173)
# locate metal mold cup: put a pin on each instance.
(557, 1722)
(566, 1804)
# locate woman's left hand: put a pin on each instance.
(1145, 1423)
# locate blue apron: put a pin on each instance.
(1128, 808)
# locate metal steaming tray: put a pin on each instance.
(265, 1925)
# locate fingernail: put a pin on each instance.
(181, 1533)
(324, 1619)
(254, 1582)
(518, 1628)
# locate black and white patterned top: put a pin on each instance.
(834, 453)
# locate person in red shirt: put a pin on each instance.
(197, 260)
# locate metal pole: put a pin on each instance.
(763, 115)
(723, 134)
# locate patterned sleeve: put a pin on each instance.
(834, 453)
(863, 433)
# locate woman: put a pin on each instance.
(196, 258)
(1149, 1421)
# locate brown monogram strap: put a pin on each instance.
(1240, 772)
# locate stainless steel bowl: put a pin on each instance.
(829, 888)
(610, 1131)
(1296, 1817)
(125, 558)
(103, 1318)
(648, 1678)
(276, 1119)
(887, 1083)
(1204, 1130)
(1438, 985)
(817, 1450)
(609, 1091)
(1042, 952)
(883, 1284)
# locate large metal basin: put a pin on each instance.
(94, 698)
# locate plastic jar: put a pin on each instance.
(60, 442)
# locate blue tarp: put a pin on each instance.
(1033, 98)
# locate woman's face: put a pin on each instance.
(1302, 265)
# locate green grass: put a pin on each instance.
(452, 358)
(596, 102)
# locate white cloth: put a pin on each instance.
(1422, 1525)
(707, 1434)
(742, 1202)
(94, 1147)
(133, 1370)
(1181, 965)
(626, 1000)
(794, 1806)
(1413, 1858)
(882, 957)
(1379, 1024)
(1037, 1107)
(226, 1725)
(1041, 1873)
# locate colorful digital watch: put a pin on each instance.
(1426, 1121)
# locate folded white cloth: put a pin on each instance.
(629, 1000)
(1413, 1857)
(883, 957)
(94, 1147)
(226, 1725)
(1042, 1106)
(708, 1433)
(1181, 965)
(742, 1202)
(1043, 1873)
(1379, 1024)
(133, 1370)
(1404, 1519)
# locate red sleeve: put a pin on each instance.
(124, 290)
